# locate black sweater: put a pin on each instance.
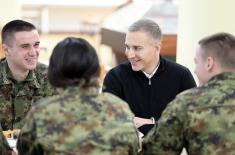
(147, 100)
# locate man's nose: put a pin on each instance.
(33, 51)
(130, 53)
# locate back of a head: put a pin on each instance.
(222, 47)
(147, 26)
(73, 62)
(15, 26)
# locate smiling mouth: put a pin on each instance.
(133, 62)
(31, 61)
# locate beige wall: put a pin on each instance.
(71, 18)
(198, 18)
(65, 19)
(10, 9)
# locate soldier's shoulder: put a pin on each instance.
(110, 98)
(46, 104)
(41, 68)
(190, 92)
(194, 98)
(188, 97)
(41, 73)
(114, 104)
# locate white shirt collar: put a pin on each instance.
(149, 76)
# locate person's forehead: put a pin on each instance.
(137, 33)
(26, 33)
(29, 36)
(137, 37)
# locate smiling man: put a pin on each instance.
(22, 79)
(147, 81)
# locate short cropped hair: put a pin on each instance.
(148, 26)
(73, 62)
(222, 47)
(15, 26)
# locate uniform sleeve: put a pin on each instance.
(27, 142)
(167, 136)
(112, 84)
(187, 80)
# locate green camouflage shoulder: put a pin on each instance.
(41, 73)
(80, 121)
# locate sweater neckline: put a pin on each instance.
(159, 70)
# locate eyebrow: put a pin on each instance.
(27, 44)
(134, 45)
(38, 42)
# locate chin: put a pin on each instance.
(31, 67)
(134, 68)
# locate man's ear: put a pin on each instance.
(5, 49)
(158, 46)
(210, 62)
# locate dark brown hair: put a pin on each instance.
(222, 47)
(15, 26)
(73, 62)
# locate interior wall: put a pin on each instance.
(197, 19)
(10, 10)
(72, 19)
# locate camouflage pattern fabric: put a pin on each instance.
(4, 146)
(79, 121)
(201, 119)
(16, 98)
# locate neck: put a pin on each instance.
(18, 74)
(151, 70)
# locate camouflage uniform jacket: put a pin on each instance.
(4, 146)
(79, 121)
(201, 119)
(16, 98)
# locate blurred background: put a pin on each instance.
(104, 24)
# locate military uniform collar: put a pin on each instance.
(87, 90)
(222, 76)
(8, 77)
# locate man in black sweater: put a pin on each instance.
(147, 82)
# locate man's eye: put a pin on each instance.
(137, 48)
(24, 46)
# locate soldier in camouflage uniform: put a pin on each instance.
(22, 80)
(4, 146)
(79, 121)
(202, 119)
